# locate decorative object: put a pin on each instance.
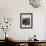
(26, 20)
(36, 3)
(6, 25)
(35, 38)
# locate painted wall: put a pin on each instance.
(13, 8)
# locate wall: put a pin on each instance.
(13, 8)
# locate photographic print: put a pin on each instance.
(26, 20)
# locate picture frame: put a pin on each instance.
(26, 20)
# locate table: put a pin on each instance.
(26, 42)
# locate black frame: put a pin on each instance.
(21, 14)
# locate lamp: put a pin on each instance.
(36, 3)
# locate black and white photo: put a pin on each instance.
(26, 20)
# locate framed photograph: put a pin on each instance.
(26, 20)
